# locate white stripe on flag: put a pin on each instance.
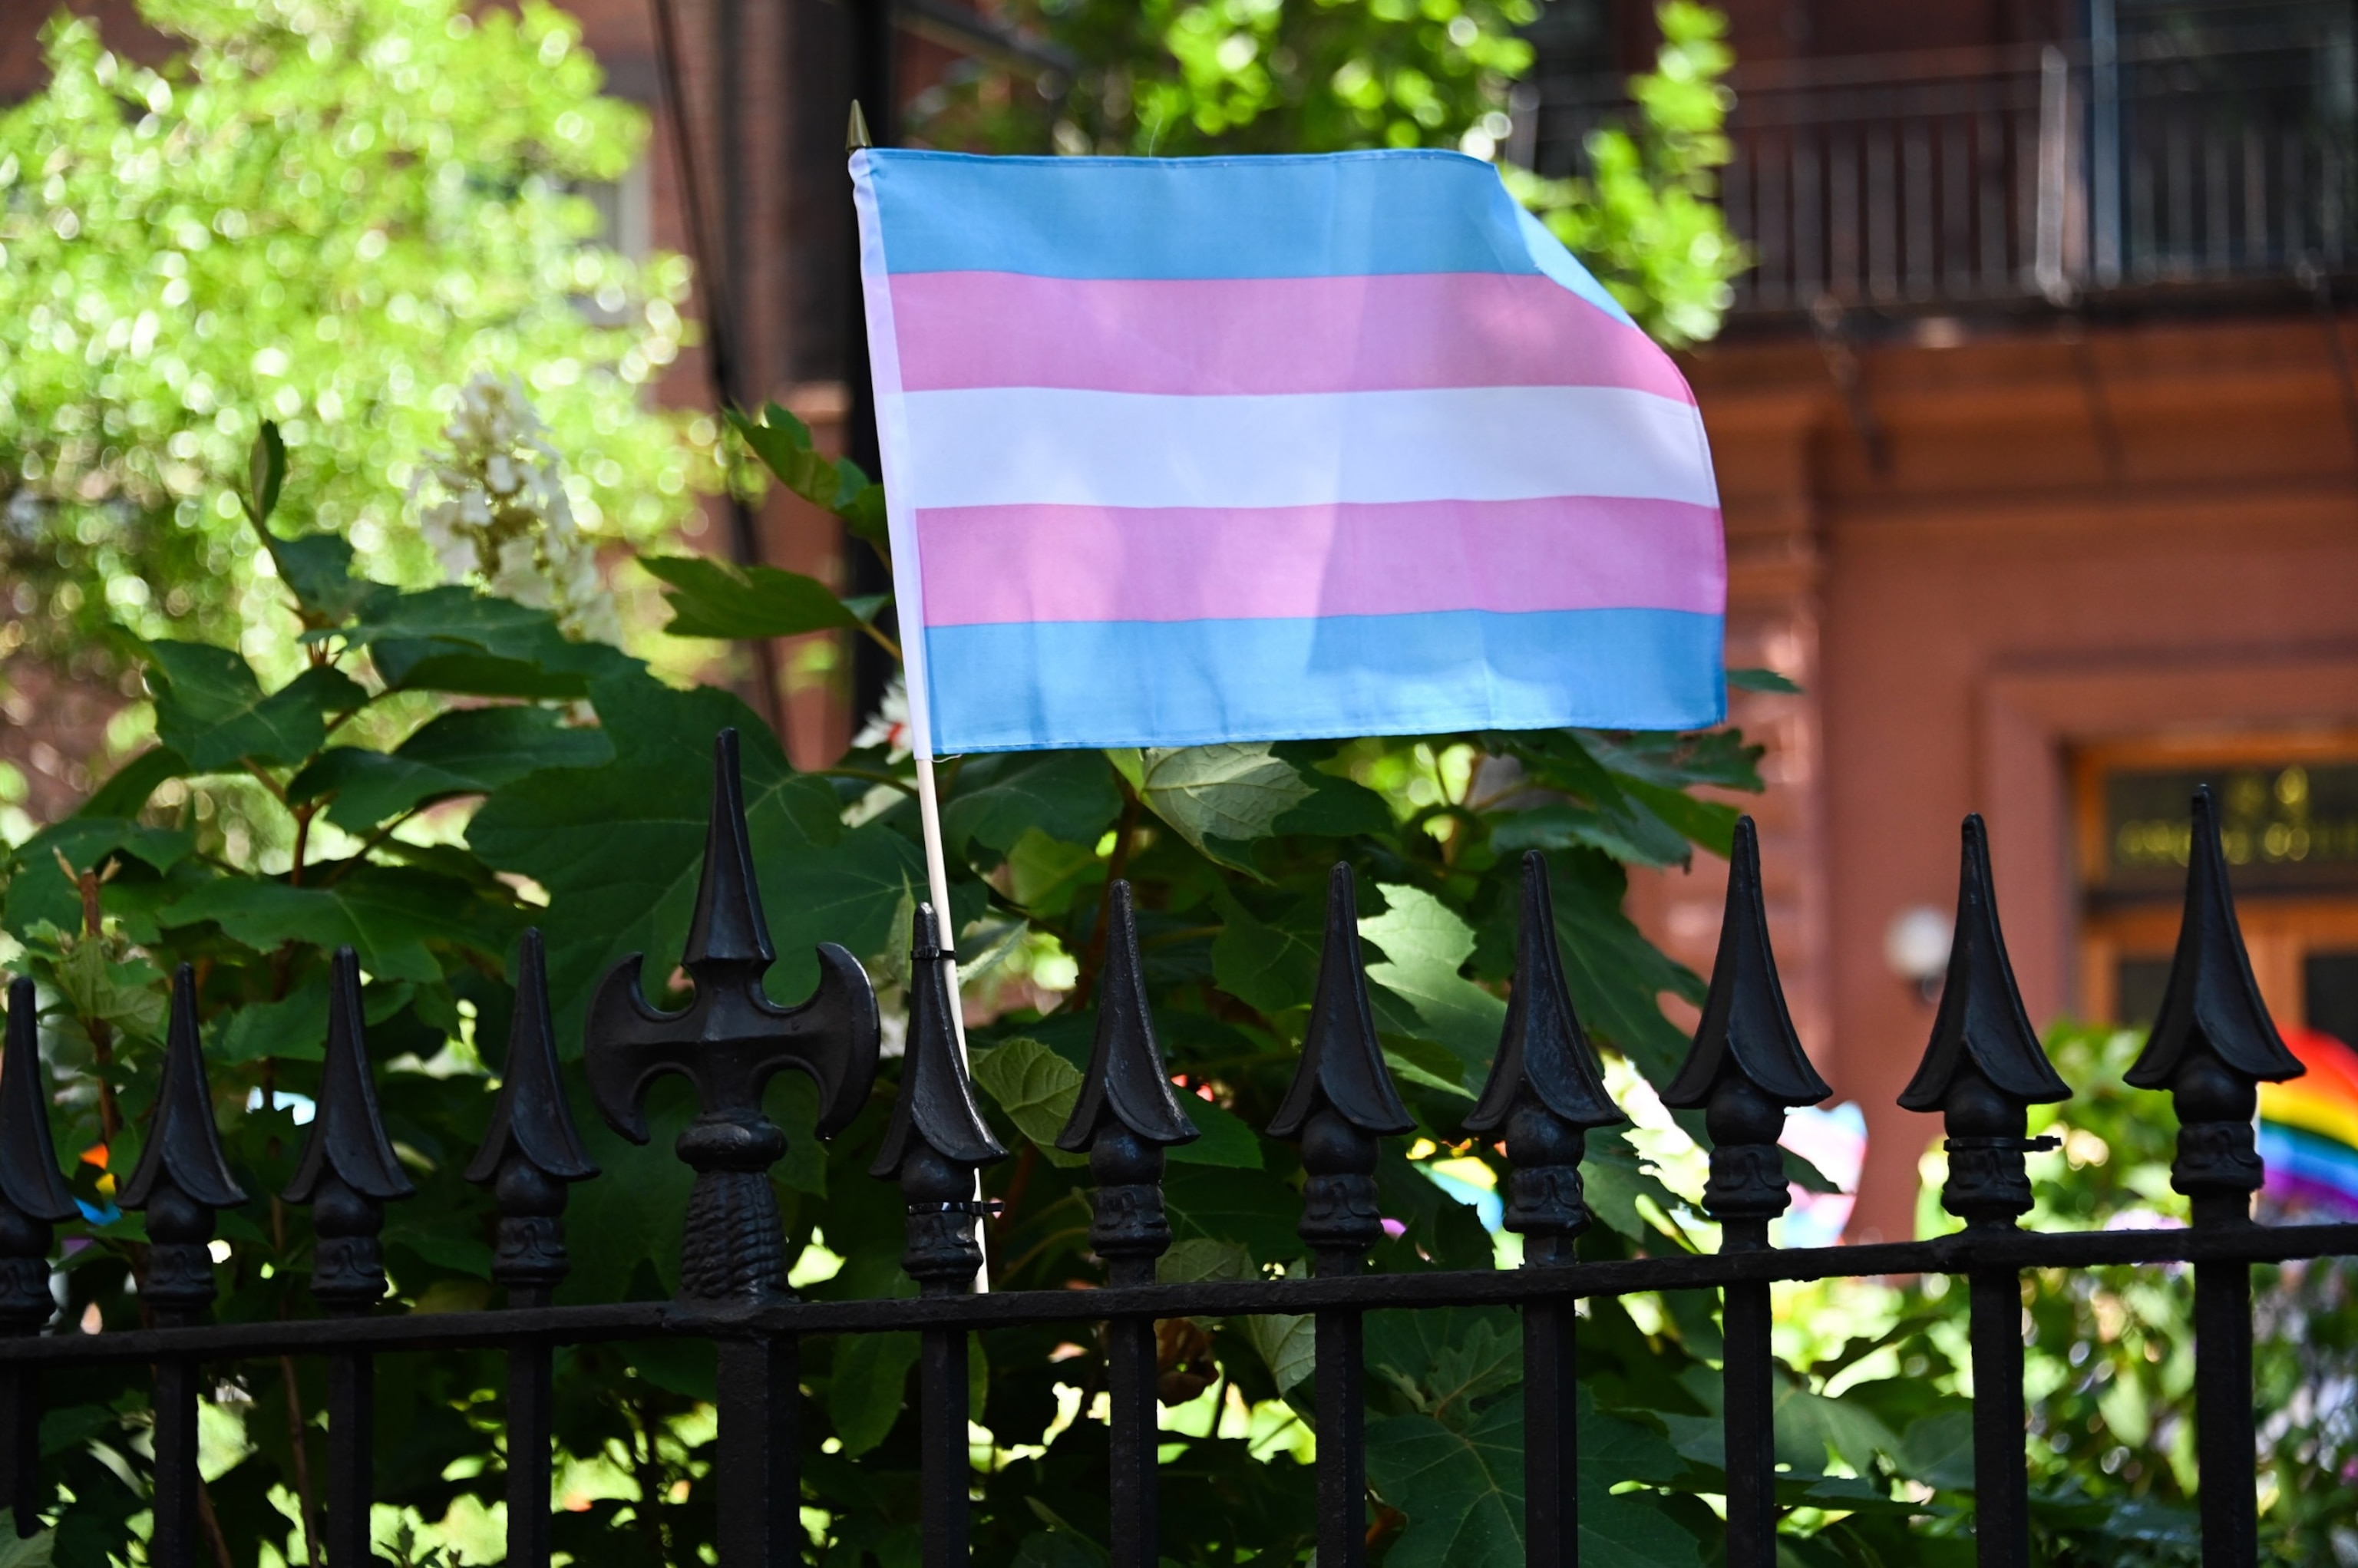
(1011, 446)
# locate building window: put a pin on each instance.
(2289, 819)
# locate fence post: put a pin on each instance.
(935, 1142)
(33, 1198)
(1983, 1069)
(2212, 1045)
(348, 1174)
(180, 1180)
(1123, 1119)
(1341, 1101)
(529, 1153)
(1745, 1068)
(1544, 1092)
(729, 1041)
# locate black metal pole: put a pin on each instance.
(943, 1469)
(20, 1446)
(2225, 1440)
(351, 1458)
(1551, 1434)
(1751, 1426)
(173, 1542)
(2001, 1485)
(759, 1476)
(1129, 1384)
(531, 1429)
(1342, 1440)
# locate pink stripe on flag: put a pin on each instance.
(997, 565)
(1245, 336)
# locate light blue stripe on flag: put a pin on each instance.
(1335, 215)
(1183, 683)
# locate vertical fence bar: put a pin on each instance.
(20, 1446)
(2001, 1484)
(1340, 1103)
(935, 1143)
(1135, 1442)
(943, 1464)
(1341, 1341)
(531, 1424)
(1983, 1069)
(1745, 1069)
(2225, 1441)
(351, 1458)
(1123, 1118)
(757, 1476)
(2212, 1046)
(529, 1154)
(1551, 1433)
(1544, 1092)
(33, 1198)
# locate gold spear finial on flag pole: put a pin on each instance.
(855, 135)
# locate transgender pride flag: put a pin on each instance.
(1191, 450)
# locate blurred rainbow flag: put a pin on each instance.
(2308, 1127)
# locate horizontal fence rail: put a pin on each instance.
(2029, 174)
(2210, 1047)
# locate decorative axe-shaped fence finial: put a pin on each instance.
(348, 1171)
(2213, 1043)
(1126, 1115)
(938, 1138)
(1747, 1066)
(182, 1177)
(1342, 1098)
(730, 1041)
(1545, 1089)
(33, 1195)
(1984, 1067)
(532, 1149)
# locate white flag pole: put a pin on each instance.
(908, 598)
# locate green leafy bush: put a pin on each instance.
(323, 212)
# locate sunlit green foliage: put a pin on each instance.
(326, 212)
(1189, 77)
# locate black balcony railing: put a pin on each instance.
(2156, 161)
(2210, 1048)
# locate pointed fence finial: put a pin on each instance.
(1747, 1066)
(728, 934)
(532, 1149)
(1983, 1067)
(730, 1041)
(2213, 1043)
(182, 1177)
(855, 133)
(1126, 1115)
(1545, 1089)
(33, 1195)
(348, 1171)
(938, 1138)
(1342, 1098)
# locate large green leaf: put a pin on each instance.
(783, 444)
(1223, 1204)
(1035, 1088)
(1270, 965)
(1462, 1489)
(453, 639)
(1218, 798)
(713, 597)
(211, 709)
(1616, 977)
(471, 751)
(1418, 990)
(1067, 796)
(387, 913)
(865, 1394)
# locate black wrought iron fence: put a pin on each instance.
(2210, 1049)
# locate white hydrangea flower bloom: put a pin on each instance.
(493, 508)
